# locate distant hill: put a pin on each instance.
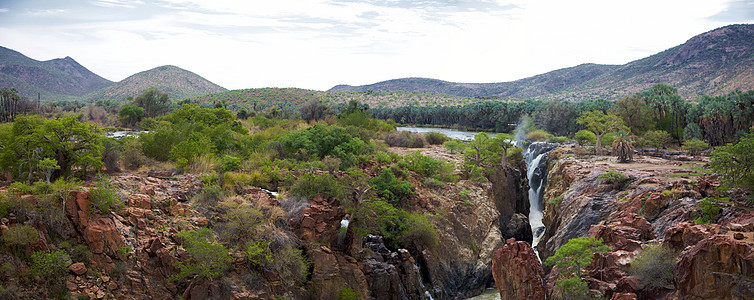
(177, 82)
(712, 63)
(57, 79)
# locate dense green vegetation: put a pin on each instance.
(570, 259)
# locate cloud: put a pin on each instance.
(118, 3)
(4, 10)
(736, 11)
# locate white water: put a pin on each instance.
(535, 212)
(451, 133)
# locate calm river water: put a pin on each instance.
(451, 133)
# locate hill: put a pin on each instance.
(713, 63)
(57, 79)
(177, 82)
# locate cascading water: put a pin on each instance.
(533, 157)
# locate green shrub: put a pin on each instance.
(570, 259)
(291, 265)
(390, 188)
(405, 139)
(418, 233)
(51, 267)
(708, 212)
(125, 251)
(653, 267)
(308, 185)
(435, 138)
(241, 226)
(210, 195)
(208, 260)
(585, 136)
(132, 154)
(556, 201)
(613, 178)
(383, 158)
(258, 252)
(19, 236)
(695, 146)
(538, 135)
(104, 197)
(230, 163)
(78, 253)
(346, 293)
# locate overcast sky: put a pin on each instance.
(316, 44)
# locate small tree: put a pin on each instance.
(570, 259)
(48, 165)
(585, 136)
(453, 146)
(130, 114)
(695, 146)
(657, 139)
(653, 267)
(735, 163)
(600, 124)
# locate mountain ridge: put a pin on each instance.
(715, 62)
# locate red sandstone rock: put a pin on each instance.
(77, 268)
(716, 267)
(686, 234)
(624, 296)
(517, 272)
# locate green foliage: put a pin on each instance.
(51, 267)
(556, 201)
(130, 115)
(153, 101)
(230, 163)
(454, 146)
(111, 149)
(291, 265)
(616, 179)
(258, 252)
(19, 236)
(132, 154)
(48, 165)
(242, 226)
(308, 185)
(389, 188)
(435, 138)
(656, 138)
(571, 287)
(321, 140)
(708, 212)
(104, 198)
(405, 139)
(695, 146)
(346, 293)
(210, 195)
(585, 136)
(418, 233)
(208, 260)
(570, 259)
(692, 131)
(734, 163)
(653, 267)
(124, 251)
(483, 153)
(538, 135)
(600, 123)
(74, 145)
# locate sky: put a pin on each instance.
(316, 44)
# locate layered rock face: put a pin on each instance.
(517, 272)
(509, 193)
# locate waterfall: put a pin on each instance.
(534, 155)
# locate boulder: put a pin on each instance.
(716, 267)
(77, 269)
(517, 272)
(682, 235)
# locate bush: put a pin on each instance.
(19, 236)
(230, 163)
(613, 178)
(241, 226)
(538, 135)
(435, 138)
(692, 131)
(585, 136)
(291, 265)
(390, 188)
(210, 195)
(132, 154)
(309, 184)
(653, 267)
(405, 139)
(208, 260)
(656, 138)
(695, 146)
(258, 252)
(51, 267)
(419, 233)
(708, 212)
(104, 197)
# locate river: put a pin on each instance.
(451, 133)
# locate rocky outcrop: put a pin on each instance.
(99, 231)
(510, 194)
(517, 272)
(716, 267)
(391, 275)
